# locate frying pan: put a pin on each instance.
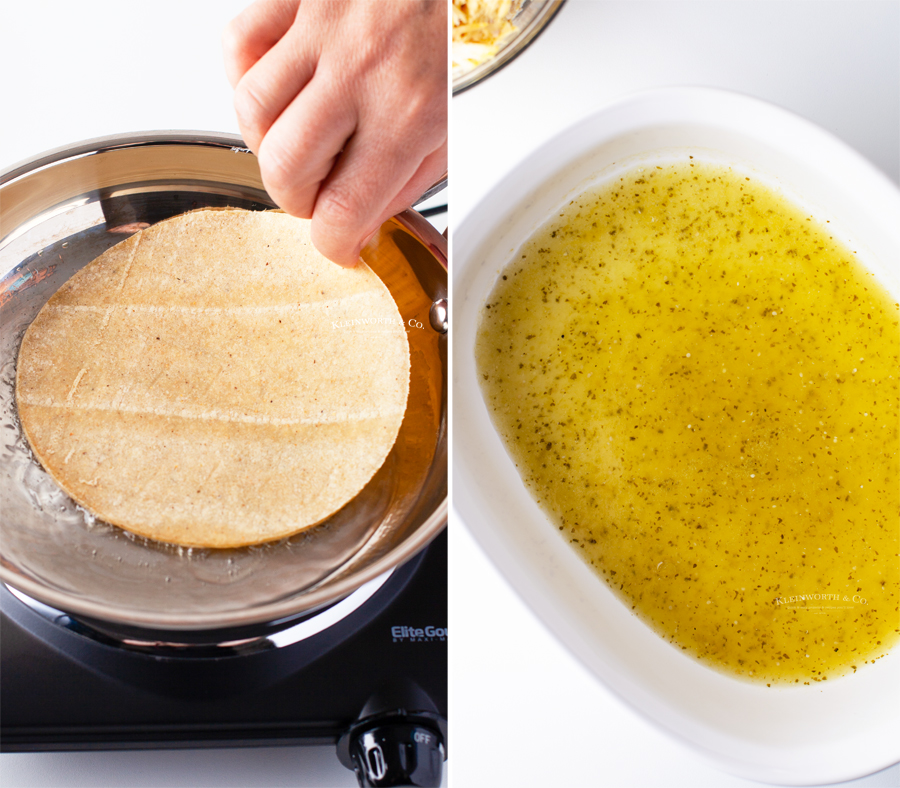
(58, 212)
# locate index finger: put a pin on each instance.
(368, 182)
(254, 32)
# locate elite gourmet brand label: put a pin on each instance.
(418, 634)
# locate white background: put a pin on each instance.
(524, 712)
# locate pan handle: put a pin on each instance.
(438, 185)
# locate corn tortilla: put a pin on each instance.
(213, 381)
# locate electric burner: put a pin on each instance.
(337, 634)
(370, 677)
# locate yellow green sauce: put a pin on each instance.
(700, 386)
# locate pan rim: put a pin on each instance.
(287, 607)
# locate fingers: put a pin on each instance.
(271, 84)
(367, 185)
(347, 194)
(432, 169)
(345, 105)
(253, 33)
(302, 147)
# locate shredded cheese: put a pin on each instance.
(479, 29)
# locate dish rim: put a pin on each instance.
(473, 253)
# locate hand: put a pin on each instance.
(345, 105)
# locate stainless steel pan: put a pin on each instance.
(57, 213)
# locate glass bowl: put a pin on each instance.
(531, 18)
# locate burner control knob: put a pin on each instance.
(399, 738)
(394, 753)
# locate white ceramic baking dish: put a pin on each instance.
(828, 732)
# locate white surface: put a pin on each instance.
(524, 711)
(73, 71)
(268, 767)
